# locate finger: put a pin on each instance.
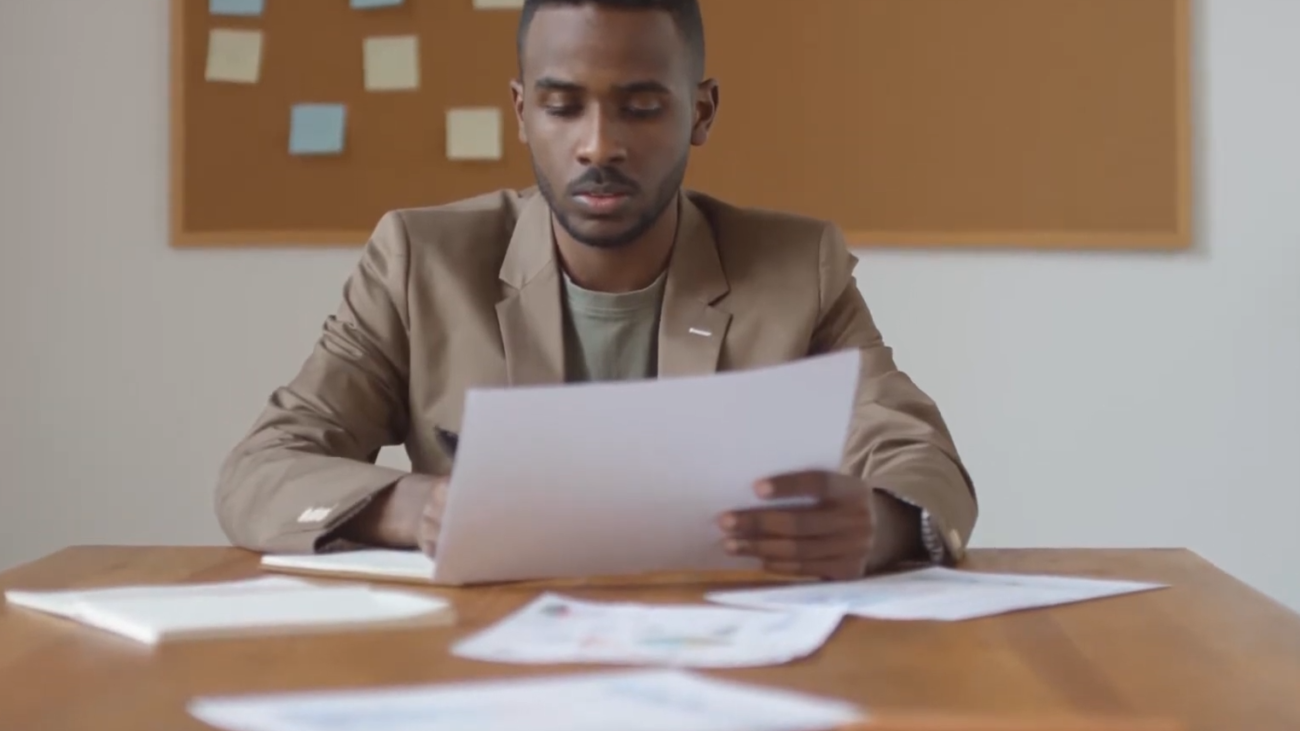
(843, 569)
(849, 546)
(436, 504)
(809, 484)
(427, 540)
(795, 523)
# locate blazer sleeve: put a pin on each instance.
(898, 441)
(307, 464)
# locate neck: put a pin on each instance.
(627, 268)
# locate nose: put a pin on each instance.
(602, 141)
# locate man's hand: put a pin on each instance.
(830, 539)
(407, 516)
(848, 531)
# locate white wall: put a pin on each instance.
(1101, 400)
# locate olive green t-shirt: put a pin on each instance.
(611, 336)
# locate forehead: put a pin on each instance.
(589, 44)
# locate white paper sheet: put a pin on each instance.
(558, 629)
(230, 609)
(638, 700)
(68, 602)
(372, 563)
(624, 478)
(935, 593)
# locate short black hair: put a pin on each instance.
(686, 14)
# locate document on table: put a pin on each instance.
(630, 477)
(557, 629)
(630, 700)
(935, 593)
(271, 605)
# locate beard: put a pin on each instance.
(664, 195)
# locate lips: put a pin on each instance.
(601, 202)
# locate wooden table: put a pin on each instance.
(1208, 652)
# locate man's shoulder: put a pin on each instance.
(769, 239)
(749, 226)
(777, 255)
(483, 223)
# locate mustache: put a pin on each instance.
(603, 181)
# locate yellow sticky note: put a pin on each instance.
(474, 133)
(498, 4)
(234, 55)
(392, 63)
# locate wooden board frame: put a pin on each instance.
(1181, 237)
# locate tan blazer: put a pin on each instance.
(468, 294)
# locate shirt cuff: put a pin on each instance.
(930, 537)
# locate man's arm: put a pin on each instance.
(923, 498)
(307, 465)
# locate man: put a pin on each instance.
(608, 270)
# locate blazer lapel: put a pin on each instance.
(691, 329)
(531, 317)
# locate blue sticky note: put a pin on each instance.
(369, 4)
(249, 8)
(317, 129)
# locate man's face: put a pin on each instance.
(609, 107)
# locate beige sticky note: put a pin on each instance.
(474, 133)
(234, 55)
(392, 63)
(497, 4)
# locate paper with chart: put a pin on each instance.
(652, 464)
(935, 593)
(558, 629)
(635, 700)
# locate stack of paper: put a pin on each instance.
(153, 614)
(556, 629)
(645, 700)
(373, 563)
(934, 593)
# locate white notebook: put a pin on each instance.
(271, 605)
(372, 563)
(67, 603)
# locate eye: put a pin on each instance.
(642, 108)
(562, 110)
(642, 113)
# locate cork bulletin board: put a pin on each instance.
(1025, 123)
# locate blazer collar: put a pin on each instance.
(691, 329)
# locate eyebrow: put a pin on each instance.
(549, 83)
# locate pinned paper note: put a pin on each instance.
(474, 134)
(234, 55)
(392, 63)
(249, 8)
(498, 4)
(317, 129)
(370, 4)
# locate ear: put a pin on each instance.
(706, 111)
(517, 101)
